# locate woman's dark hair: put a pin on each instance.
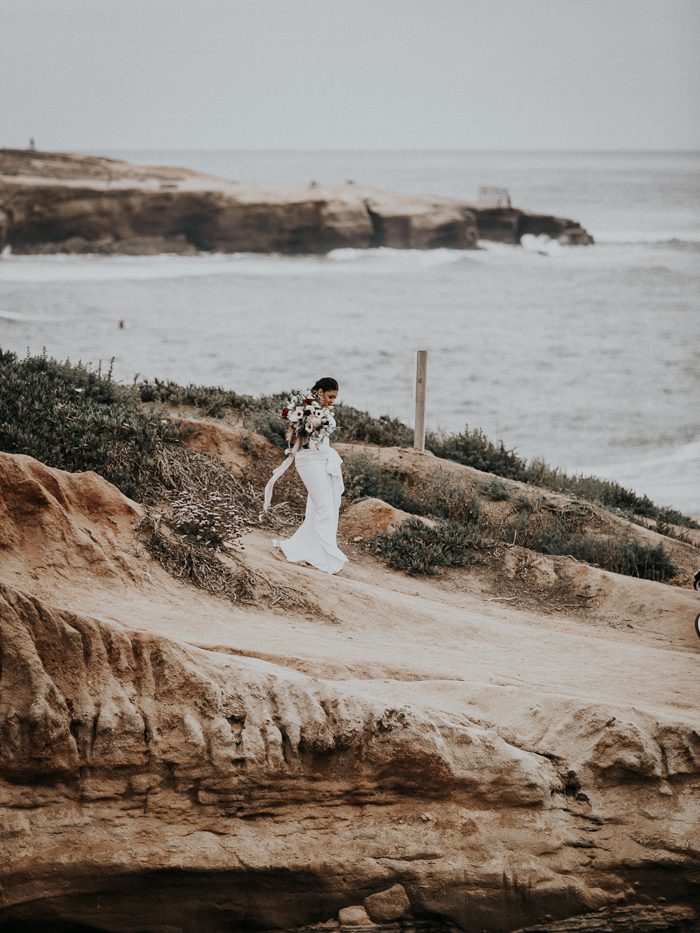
(327, 384)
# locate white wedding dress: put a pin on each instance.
(314, 542)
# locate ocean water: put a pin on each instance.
(585, 356)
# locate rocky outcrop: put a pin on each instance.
(403, 222)
(121, 749)
(58, 218)
(210, 780)
(58, 525)
(509, 225)
(231, 445)
(173, 762)
(388, 906)
(369, 517)
(53, 202)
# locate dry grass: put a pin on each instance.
(201, 542)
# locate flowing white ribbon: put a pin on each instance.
(279, 471)
(334, 462)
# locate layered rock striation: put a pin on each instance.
(52, 202)
(428, 760)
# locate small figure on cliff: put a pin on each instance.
(32, 144)
(311, 423)
(122, 324)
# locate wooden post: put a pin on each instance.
(421, 379)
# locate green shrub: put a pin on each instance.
(417, 548)
(629, 556)
(496, 490)
(444, 496)
(474, 449)
(524, 504)
(441, 496)
(671, 516)
(663, 528)
(361, 427)
(538, 524)
(270, 426)
(364, 478)
(213, 400)
(606, 493)
(555, 533)
(76, 418)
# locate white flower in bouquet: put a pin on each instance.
(307, 416)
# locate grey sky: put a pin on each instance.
(350, 74)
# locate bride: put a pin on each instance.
(311, 422)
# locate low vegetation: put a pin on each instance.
(470, 447)
(366, 479)
(212, 400)
(78, 418)
(562, 531)
(496, 490)
(463, 524)
(417, 548)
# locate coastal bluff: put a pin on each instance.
(63, 203)
(390, 754)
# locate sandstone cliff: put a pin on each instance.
(170, 761)
(52, 202)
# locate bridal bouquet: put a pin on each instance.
(307, 417)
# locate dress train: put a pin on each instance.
(314, 542)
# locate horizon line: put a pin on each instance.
(384, 150)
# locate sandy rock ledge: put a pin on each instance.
(174, 762)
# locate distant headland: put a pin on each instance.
(53, 202)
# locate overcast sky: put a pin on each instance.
(350, 74)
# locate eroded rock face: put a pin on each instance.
(231, 445)
(53, 203)
(58, 218)
(509, 225)
(129, 749)
(226, 780)
(59, 524)
(165, 783)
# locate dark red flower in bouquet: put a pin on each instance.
(285, 412)
(308, 401)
